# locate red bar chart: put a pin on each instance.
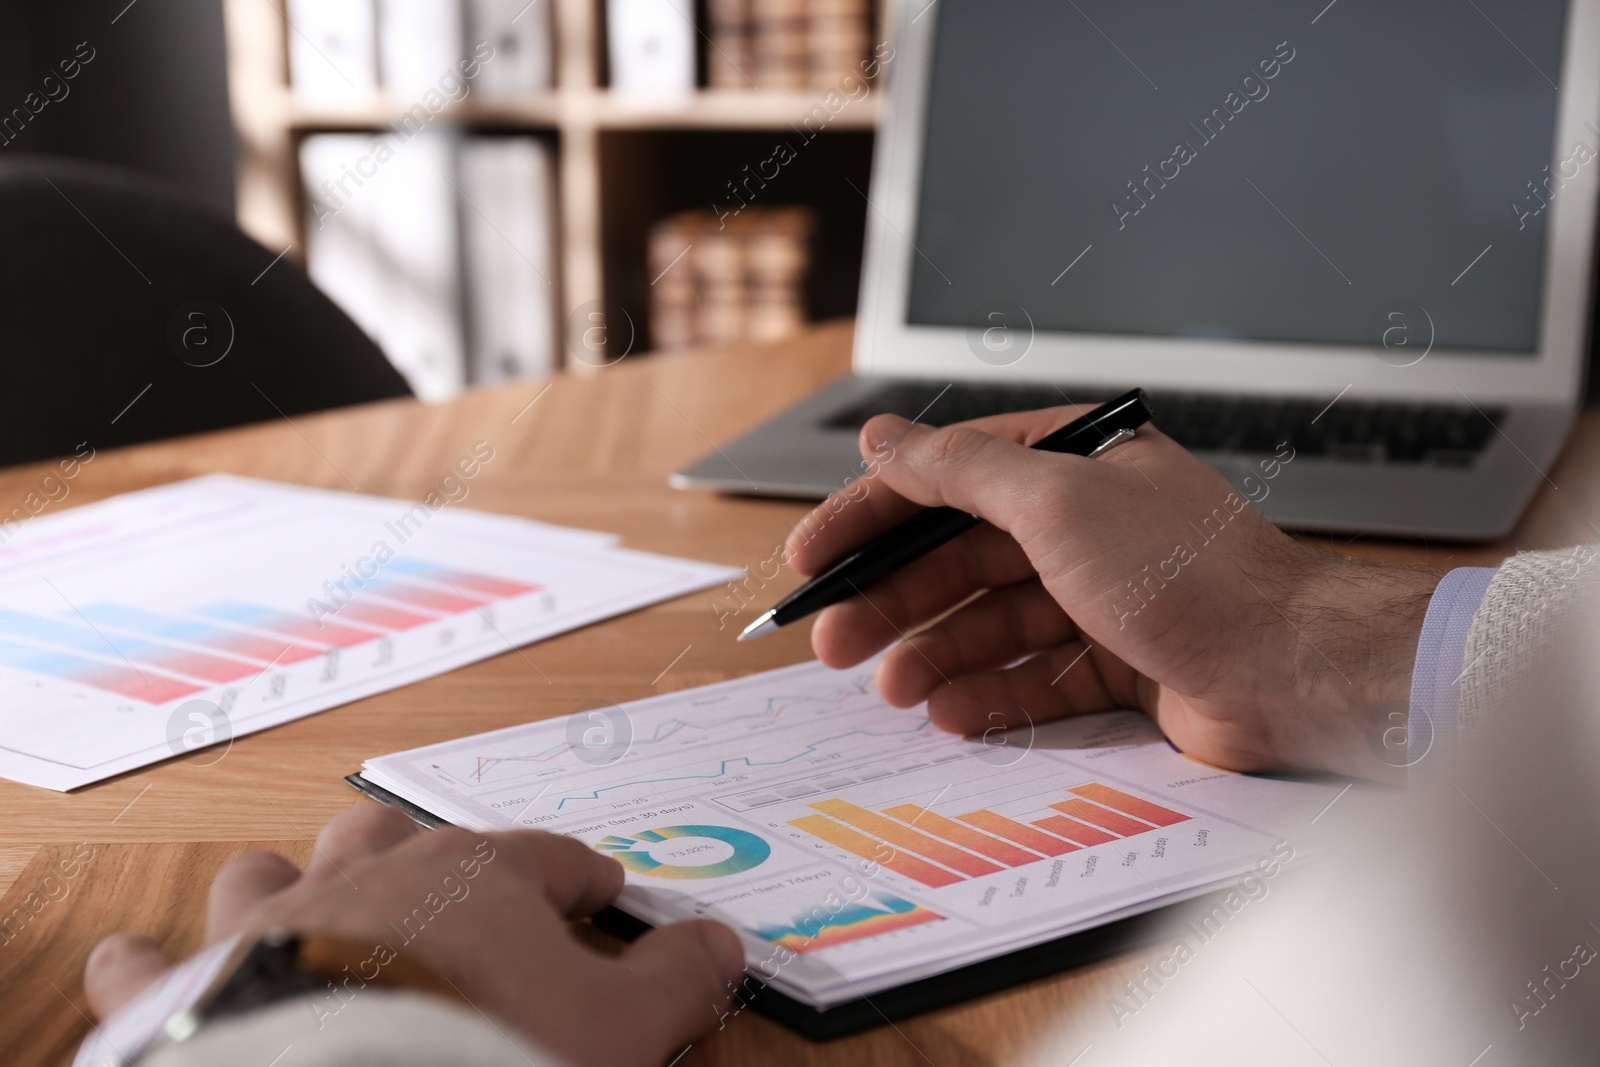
(1142, 809)
(938, 851)
(445, 600)
(263, 602)
(230, 641)
(300, 627)
(491, 584)
(1075, 832)
(1119, 824)
(384, 617)
(965, 836)
(896, 833)
(885, 855)
(1016, 831)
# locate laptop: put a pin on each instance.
(1359, 232)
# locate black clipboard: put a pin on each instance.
(900, 1002)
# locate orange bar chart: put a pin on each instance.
(937, 851)
(1131, 805)
(965, 836)
(897, 834)
(1026, 836)
(1120, 825)
(1074, 831)
(861, 845)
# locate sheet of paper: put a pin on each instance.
(853, 845)
(143, 626)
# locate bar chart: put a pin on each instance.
(228, 641)
(804, 811)
(268, 602)
(937, 851)
(151, 688)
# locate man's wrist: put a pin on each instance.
(1360, 624)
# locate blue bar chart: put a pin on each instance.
(251, 604)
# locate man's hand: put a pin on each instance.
(499, 936)
(1138, 579)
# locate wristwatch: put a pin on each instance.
(241, 974)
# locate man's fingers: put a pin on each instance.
(867, 507)
(962, 467)
(686, 973)
(364, 830)
(1026, 427)
(996, 629)
(118, 968)
(1062, 681)
(241, 885)
(844, 522)
(577, 880)
(982, 558)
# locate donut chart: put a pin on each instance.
(692, 851)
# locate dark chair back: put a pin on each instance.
(128, 313)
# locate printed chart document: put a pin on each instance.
(854, 845)
(136, 628)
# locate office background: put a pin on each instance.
(211, 96)
(768, 105)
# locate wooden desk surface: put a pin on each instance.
(591, 451)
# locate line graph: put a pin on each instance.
(860, 686)
(923, 726)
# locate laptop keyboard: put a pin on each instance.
(1354, 431)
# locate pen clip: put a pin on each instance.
(1112, 441)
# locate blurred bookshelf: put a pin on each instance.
(621, 162)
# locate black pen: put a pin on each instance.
(1105, 426)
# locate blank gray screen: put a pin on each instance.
(1192, 194)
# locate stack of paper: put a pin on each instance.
(150, 624)
(853, 846)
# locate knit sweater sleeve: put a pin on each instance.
(376, 1028)
(1531, 598)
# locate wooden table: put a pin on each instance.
(590, 451)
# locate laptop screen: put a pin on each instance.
(1248, 170)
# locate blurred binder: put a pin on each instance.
(651, 45)
(414, 227)
(520, 33)
(419, 47)
(382, 242)
(340, 255)
(332, 50)
(508, 242)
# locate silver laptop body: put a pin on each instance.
(1365, 233)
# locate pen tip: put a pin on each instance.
(762, 626)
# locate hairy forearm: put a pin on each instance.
(1359, 627)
